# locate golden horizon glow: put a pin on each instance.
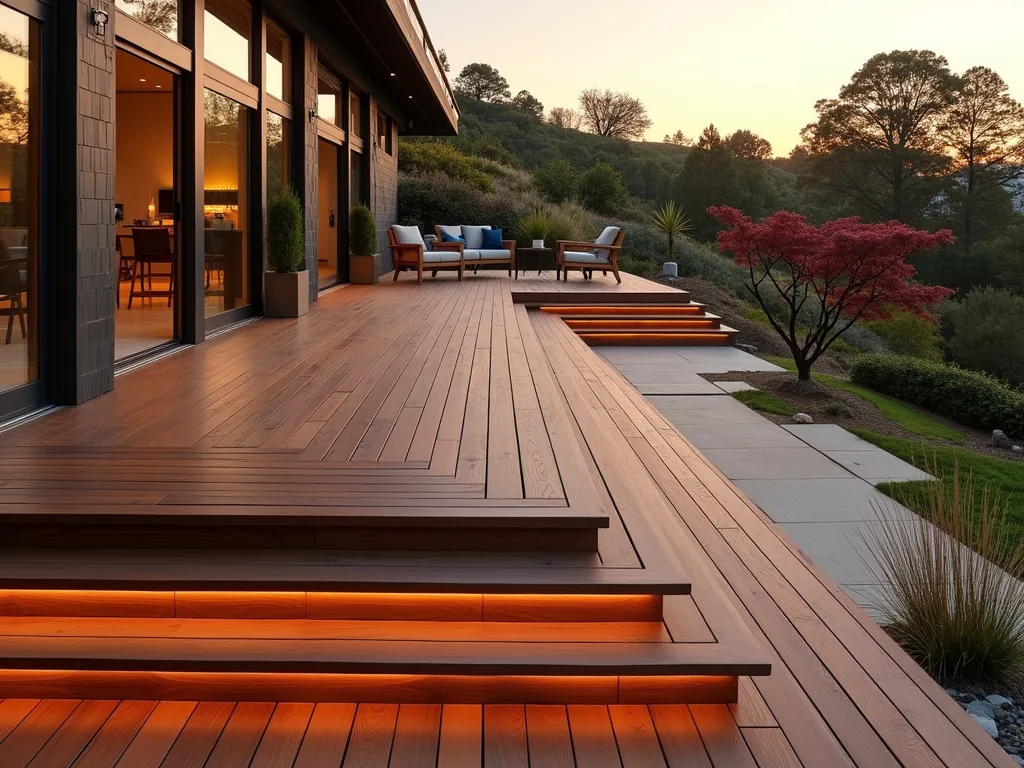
(737, 63)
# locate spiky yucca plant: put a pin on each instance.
(950, 596)
(533, 226)
(669, 218)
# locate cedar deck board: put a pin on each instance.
(840, 690)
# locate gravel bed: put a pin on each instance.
(1000, 713)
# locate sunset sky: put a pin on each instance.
(756, 64)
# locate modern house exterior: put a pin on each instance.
(139, 142)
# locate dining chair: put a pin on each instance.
(152, 245)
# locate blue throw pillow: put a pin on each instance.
(492, 240)
(448, 238)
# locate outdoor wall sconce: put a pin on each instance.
(100, 19)
(312, 114)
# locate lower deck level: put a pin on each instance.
(453, 396)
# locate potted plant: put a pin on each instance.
(364, 260)
(286, 285)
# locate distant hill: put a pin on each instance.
(647, 167)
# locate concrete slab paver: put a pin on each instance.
(827, 500)
(774, 463)
(878, 466)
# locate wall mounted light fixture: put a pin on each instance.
(312, 114)
(100, 19)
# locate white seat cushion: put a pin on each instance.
(495, 253)
(474, 236)
(607, 237)
(470, 254)
(448, 257)
(584, 257)
(407, 235)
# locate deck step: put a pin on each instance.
(645, 323)
(559, 297)
(685, 309)
(640, 336)
(343, 661)
(462, 524)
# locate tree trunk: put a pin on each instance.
(803, 374)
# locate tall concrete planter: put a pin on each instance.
(286, 286)
(364, 261)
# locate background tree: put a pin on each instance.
(161, 15)
(708, 178)
(678, 138)
(601, 188)
(987, 330)
(556, 180)
(442, 56)
(563, 117)
(814, 283)
(749, 146)
(528, 104)
(13, 44)
(483, 83)
(876, 145)
(615, 115)
(984, 129)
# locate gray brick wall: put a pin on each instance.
(310, 163)
(94, 256)
(383, 187)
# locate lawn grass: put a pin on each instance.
(762, 401)
(896, 411)
(1004, 479)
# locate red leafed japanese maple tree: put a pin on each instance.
(814, 283)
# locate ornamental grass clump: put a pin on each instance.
(953, 599)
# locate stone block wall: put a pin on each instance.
(383, 186)
(95, 259)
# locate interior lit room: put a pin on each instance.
(146, 245)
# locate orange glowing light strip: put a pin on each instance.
(368, 606)
(639, 323)
(622, 338)
(376, 688)
(647, 309)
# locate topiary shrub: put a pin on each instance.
(362, 232)
(285, 232)
(967, 397)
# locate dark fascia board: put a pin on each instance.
(376, 38)
(297, 17)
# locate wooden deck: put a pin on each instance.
(461, 405)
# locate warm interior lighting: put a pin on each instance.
(142, 79)
(649, 309)
(648, 338)
(5, 196)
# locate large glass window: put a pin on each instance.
(278, 146)
(19, 198)
(226, 210)
(355, 120)
(227, 29)
(279, 70)
(161, 15)
(328, 96)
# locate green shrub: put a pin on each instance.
(362, 232)
(536, 225)
(601, 188)
(489, 147)
(957, 610)
(285, 232)
(908, 334)
(838, 410)
(426, 156)
(568, 221)
(638, 267)
(970, 398)
(436, 198)
(556, 181)
(988, 333)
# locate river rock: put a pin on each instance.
(999, 439)
(999, 701)
(980, 708)
(988, 725)
(802, 418)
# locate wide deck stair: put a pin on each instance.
(326, 627)
(637, 321)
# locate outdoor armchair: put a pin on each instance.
(602, 254)
(408, 251)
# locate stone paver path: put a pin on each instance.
(815, 481)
